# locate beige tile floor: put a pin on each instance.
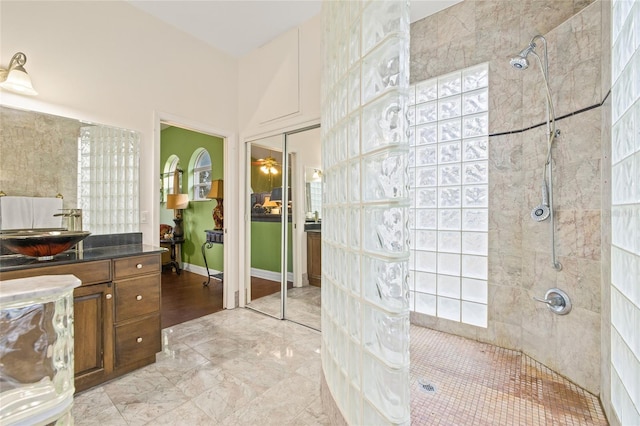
(303, 305)
(234, 367)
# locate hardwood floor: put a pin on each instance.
(185, 298)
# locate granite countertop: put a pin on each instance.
(97, 247)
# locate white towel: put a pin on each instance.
(16, 212)
(43, 210)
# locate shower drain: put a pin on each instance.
(427, 386)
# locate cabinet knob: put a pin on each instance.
(109, 296)
(139, 340)
(139, 266)
(139, 297)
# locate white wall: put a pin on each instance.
(110, 63)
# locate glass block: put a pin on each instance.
(475, 149)
(449, 152)
(426, 134)
(624, 270)
(355, 404)
(449, 286)
(425, 282)
(411, 115)
(381, 70)
(475, 125)
(354, 89)
(448, 242)
(426, 155)
(412, 94)
(426, 197)
(412, 301)
(474, 266)
(475, 77)
(449, 197)
(622, 220)
(385, 231)
(411, 135)
(426, 219)
(427, 112)
(427, 91)
(449, 175)
(383, 123)
(474, 290)
(475, 220)
(449, 219)
(425, 240)
(387, 336)
(448, 264)
(475, 243)
(342, 142)
(426, 304)
(354, 228)
(354, 42)
(623, 182)
(385, 176)
(475, 102)
(354, 181)
(450, 84)
(385, 283)
(622, 137)
(354, 319)
(476, 196)
(474, 314)
(380, 20)
(448, 308)
(387, 389)
(476, 172)
(426, 176)
(354, 135)
(411, 158)
(450, 130)
(426, 261)
(412, 178)
(450, 107)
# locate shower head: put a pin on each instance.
(542, 211)
(520, 62)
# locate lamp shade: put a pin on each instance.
(177, 201)
(15, 78)
(217, 189)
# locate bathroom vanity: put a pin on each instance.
(116, 309)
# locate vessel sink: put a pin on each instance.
(42, 244)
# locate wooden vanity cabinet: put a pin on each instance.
(116, 320)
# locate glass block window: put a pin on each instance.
(448, 180)
(625, 212)
(201, 174)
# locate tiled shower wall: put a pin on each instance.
(625, 212)
(48, 144)
(520, 266)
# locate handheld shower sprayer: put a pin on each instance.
(542, 211)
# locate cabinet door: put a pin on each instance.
(314, 258)
(93, 334)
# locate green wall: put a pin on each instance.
(197, 217)
(266, 246)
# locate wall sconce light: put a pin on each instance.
(317, 175)
(217, 193)
(15, 78)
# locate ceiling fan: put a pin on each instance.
(268, 165)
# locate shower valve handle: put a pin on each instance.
(552, 301)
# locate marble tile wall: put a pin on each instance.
(38, 155)
(519, 248)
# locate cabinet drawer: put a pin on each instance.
(136, 265)
(137, 340)
(137, 296)
(87, 272)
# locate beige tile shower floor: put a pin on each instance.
(457, 381)
(239, 367)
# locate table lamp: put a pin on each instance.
(217, 193)
(177, 202)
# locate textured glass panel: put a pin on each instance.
(427, 91)
(449, 308)
(385, 231)
(426, 197)
(449, 152)
(474, 314)
(425, 282)
(386, 283)
(476, 196)
(476, 172)
(426, 134)
(384, 123)
(386, 176)
(449, 219)
(475, 102)
(475, 149)
(449, 286)
(448, 242)
(381, 70)
(475, 77)
(426, 304)
(384, 336)
(474, 290)
(448, 264)
(426, 176)
(385, 387)
(450, 107)
(449, 130)
(449, 175)
(426, 113)
(474, 266)
(449, 197)
(450, 84)
(426, 155)
(379, 20)
(475, 125)
(426, 261)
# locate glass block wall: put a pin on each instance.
(365, 294)
(625, 212)
(108, 179)
(448, 180)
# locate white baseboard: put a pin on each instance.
(200, 270)
(269, 275)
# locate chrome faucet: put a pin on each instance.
(74, 223)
